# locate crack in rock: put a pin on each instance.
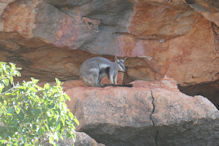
(151, 118)
(152, 112)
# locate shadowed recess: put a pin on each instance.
(209, 90)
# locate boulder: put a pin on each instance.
(82, 139)
(149, 113)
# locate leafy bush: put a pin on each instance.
(29, 112)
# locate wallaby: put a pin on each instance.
(94, 69)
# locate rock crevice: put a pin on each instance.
(156, 134)
(153, 109)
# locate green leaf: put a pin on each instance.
(2, 141)
(41, 131)
(18, 73)
(6, 82)
(35, 81)
(58, 83)
(58, 127)
(11, 79)
(76, 121)
(10, 111)
(51, 140)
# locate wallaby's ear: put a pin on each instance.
(115, 58)
(125, 59)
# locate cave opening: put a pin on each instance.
(209, 90)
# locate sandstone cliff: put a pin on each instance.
(51, 38)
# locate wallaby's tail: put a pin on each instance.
(113, 85)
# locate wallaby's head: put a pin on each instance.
(121, 64)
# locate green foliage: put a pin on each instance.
(29, 112)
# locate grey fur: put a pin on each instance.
(94, 69)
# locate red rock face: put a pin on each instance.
(166, 20)
(181, 37)
(180, 42)
(22, 13)
(67, 32)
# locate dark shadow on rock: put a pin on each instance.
(208, 89)
(202, 132)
